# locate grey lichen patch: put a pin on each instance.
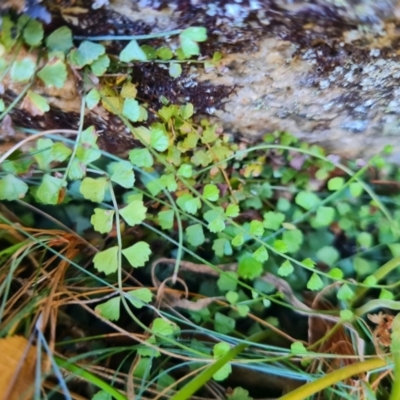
(341, 95)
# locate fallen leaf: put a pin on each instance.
(17, 368)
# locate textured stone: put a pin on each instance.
(326, 70)
(327, 74)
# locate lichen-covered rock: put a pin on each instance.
(324, 70)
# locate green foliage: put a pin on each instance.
(86, 53)
(189, 39)
(122, 173)
(191, 192)
(261, 254)
(175, 70)
(298, 348)
(239, 394)
(345, 292)
(286, 268)
(232, 211)
(249, 267)
(137, 254)
(158, 139)
(102, 220)
(219, 350)
(141, 158)
(162, 327)
(346, 315)
(315, 282)
(132, 52)
(36, 103)
(33, 33)
(273, 220)
(134, 213)
(99, 65)
(232, 297)
(325, 216)
(139, 297)
(335, 183)
(211, 192)
(195, 235)
(228, 281)
(166, 219)
(328, 255)
(49, 190)
(54, 73)
(223, 323)
(22, 70)
(92, 99)
(107, 260)
(102, 395)
(307, 200)
(215, 219)
(110, 309)
(94, 189)
(185, 170)
(12, 188)
(60, 40)
(256, 228)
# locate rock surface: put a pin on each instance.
(311, 69)
(326, 70)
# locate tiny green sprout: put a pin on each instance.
(49, 191)
(36, 104)
(238, 240)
